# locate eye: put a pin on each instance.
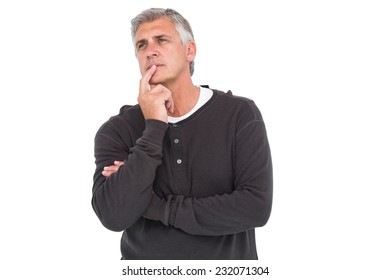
(141, 45)
(162, 39)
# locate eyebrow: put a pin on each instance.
(154, 37)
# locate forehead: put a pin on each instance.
(159, 26)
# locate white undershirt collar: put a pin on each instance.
(204, 96)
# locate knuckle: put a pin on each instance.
(158, 87)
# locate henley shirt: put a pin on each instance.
(195, 189)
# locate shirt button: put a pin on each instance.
(176, 141)
(179, 161)
(174, 125)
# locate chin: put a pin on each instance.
(156, 80)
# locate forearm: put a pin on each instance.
(120, 199)
(216, 215)
(221, 214)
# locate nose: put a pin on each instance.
(152, 51)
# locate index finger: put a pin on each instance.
(144, 82)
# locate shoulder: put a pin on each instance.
(244, 108)
(129, 118)
(231, 99)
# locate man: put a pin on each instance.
(186, 173)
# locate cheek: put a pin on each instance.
(141, 64)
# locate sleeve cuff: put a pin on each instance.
(155, 131)
(152, 138)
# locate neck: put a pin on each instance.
(185, 96)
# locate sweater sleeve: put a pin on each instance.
(248, 206)
(120, 199)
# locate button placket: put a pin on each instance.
(177, 148)
(179, 164)
(178, 153)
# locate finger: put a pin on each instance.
(155, 89)
(106, 173)
(111, 168)
(119, 163)
(170, 106)
(115, 167)
(166, 95)
(144, 82)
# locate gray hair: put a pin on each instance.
(182, 25)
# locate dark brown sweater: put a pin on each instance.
(191, 190)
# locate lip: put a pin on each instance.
(157, 65)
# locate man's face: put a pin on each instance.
(159, 43)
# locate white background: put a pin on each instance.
(318, 70)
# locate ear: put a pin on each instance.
(191, 51)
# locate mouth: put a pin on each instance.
(157, 65)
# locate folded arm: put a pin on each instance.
(120, 199)
(247, 207)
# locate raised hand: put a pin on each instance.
(155, 100)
